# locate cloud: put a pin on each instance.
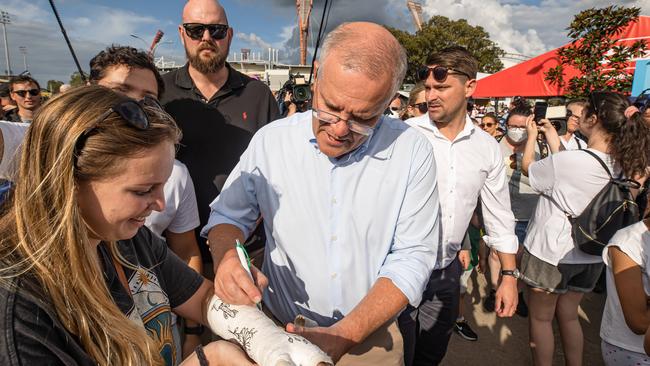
(252, 40)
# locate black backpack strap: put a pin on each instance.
(578, 142)
(602, 163)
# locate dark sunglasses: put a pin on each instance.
(487, 124)
(23, 93)
(422, 107)
(130, 110)
(196, 30)
(596, 98)
(439, 73)
(643, 101)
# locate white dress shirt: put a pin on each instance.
(469, 166)
(334, 226)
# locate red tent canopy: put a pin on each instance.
(527, 78)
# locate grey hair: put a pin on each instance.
(368, 55)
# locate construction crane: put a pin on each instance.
(416, 12)
(303, 8)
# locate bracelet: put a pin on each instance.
(198, 330)
(203, 361)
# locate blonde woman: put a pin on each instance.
(82, 282)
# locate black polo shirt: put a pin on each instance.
(216, 131)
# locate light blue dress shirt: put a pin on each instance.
(334, 226)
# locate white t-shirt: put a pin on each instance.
(523, 199)
(634, 241)
(13, 134)
(572, 179)
(181, 213)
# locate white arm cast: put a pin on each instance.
(263, 341)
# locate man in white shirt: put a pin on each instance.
(470, 164)
(574, 112)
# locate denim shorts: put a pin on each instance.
(561, 278)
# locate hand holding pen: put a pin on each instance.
(236, 281)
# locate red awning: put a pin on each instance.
(527, 78)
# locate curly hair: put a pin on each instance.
(629, 142)
(116, 55)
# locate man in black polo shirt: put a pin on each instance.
(217, 108)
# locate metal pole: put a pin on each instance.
(23, 50)
(4, 18)
(67, 41)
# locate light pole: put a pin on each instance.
(23, 50)
(4, 19)
(140, 38)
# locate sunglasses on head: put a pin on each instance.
(130, 110)
(196, 30)
(422, 107)
(596, 98)
(23, 93)
(439, 73)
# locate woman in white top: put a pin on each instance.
(557, 273)
(626, 316)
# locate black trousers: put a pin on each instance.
(427, 329)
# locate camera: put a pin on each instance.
(556, 115)
(300, 92)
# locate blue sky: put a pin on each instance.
(528, 27)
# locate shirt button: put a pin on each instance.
(333, 237)
(333, 201)
(333, 275)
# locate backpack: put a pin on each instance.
(612, 209)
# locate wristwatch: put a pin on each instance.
(511, 272)
(198, 330)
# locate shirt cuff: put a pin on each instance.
(412, 291)
(215, 220)
(508, 244)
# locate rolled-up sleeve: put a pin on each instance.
(417, 233)
(498, 219)
(237, 203)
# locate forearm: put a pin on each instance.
(528, 156)
(382, 303)
(222, 239)
(508, 261)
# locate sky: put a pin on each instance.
(528, 27)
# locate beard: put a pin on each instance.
(209, 65)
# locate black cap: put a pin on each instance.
(4, 90)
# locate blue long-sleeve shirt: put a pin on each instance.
(334, 226)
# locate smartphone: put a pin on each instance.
(540, 110)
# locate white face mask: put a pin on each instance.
(517, 134)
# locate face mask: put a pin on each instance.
(517, 134)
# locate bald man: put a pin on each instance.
(217, 108)
(350, 207)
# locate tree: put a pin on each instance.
(593, 51)
(440, 32)
(76, 80)
(54, 85)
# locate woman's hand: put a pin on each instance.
(531, 128)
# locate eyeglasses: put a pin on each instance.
(23, 93)
(595, 98)
(330, 118)
(395, 109)
(130, 110)
(439, 73)
(487, 125)
(196, 30)
(422, 107)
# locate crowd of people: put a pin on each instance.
(365, 215)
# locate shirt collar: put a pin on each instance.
(184, 80)
(425, 123)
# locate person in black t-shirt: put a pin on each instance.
(82, 282)
(217, 108)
